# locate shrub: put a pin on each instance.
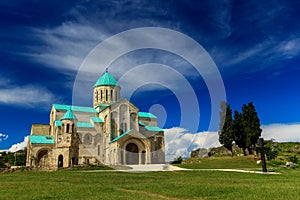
(293, 159)
(177, 160)
(271, 150)
(276, 163)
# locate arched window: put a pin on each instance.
(87, 139)
(123, 118)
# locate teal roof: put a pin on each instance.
(102, 106)
(151, 128)
(147, 115)
(74, 108)
(142, 124)
(41, 139)
(84, 125)
(57, 123)
(68, 115)
(120, 136)
(154, 128)
(106, 79)
(97, 119)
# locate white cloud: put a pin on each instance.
(3, 137)
(28, 96)
(20, 145)
(282, 132)
(268, 52)
(66, 45)
(179, 142)
(290, 48)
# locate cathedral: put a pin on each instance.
(112, 132)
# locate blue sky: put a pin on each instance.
(254, 44)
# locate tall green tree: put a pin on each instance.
(251, 126)
(244, 129)
(240, 136)
(226, 136)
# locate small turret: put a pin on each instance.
(68, 122)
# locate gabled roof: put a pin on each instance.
(102, 107)
(69, 115)
(147, 115)
(122, 135)
(132, 132)
(106, 79)
(74, 108)
(41, 139)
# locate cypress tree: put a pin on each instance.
(251, 126)
(240, 136)
(226, 132)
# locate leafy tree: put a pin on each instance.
(2, 164)
(226, 136)
(21, 158)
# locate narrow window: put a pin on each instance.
(111, 95)
(67, 128)
(106, 95)
(101, 96)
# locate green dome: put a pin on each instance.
(106, 79)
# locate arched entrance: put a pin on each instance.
(42, 158)
(132, 154)
(60, 161)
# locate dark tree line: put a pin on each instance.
(243, 129)
(10, 159)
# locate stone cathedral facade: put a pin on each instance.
(112, 132)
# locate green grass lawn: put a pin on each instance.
(152, 185)
(243, 162)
